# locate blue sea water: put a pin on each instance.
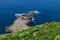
(50, 11)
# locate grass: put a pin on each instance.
(47, 31)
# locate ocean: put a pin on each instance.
(49, 11)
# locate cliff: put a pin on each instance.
(47, 31)
(22, 22)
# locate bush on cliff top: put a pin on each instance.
(47, 31)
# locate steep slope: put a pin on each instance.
(47, 31)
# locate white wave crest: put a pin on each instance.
(37, 12)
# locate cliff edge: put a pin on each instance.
(47, 31)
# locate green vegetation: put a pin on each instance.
(47, 31)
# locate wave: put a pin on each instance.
(19, 14)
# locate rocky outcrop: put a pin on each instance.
(21, 22)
